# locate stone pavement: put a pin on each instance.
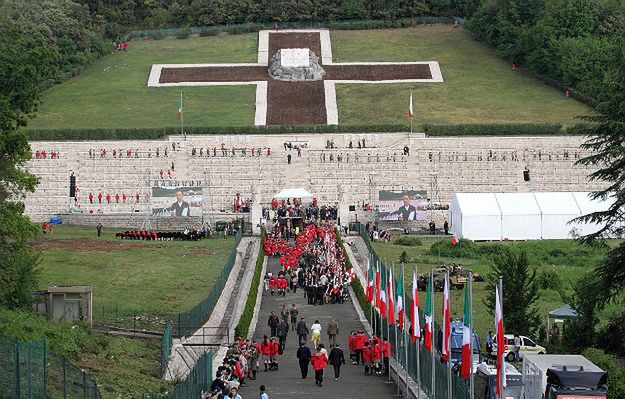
(287, 381)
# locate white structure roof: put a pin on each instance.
(293, 193)
(557, 203)
(476, 204)
(517, 204)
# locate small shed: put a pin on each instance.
(71, 302)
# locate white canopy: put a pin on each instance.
(521, 216)
(293, 193)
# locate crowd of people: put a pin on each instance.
(185, 235)
(43, 154)
(289, 209)
(129, 153)
(108, 198)
(224, 152)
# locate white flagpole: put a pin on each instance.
(471, 380)
(388, 311)
(403, 304)
(503, 362)
(418, 341)
(411, 111)
(431, 281)
(448, 340)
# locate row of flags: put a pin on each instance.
(388, 300)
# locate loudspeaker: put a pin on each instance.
(72, 186)
(526, 175)
(352, 208)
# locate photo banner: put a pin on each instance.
(409, 205)
(177, 201)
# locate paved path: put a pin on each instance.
(287, 381)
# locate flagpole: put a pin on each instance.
(418, 341)
(403, 304)
(433, 337)
(388, 311)
(503, 362)
(471, 379)
(368, 274)
(448, 339)
(411, 110)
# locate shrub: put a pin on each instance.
(209, 32)
(243, 327)
(403, 258)
(484, 129)
(490, 249)
(463, 249)
(157, 35)
(183, 34)
(549, 280)
(616, 375)
(408, 241)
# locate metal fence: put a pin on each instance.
(165, 347)
(406, 352)
(196, 317)
(198, 381)
(253, 27)
(125, 319)
(28, 370)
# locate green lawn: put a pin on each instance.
(154, 278)
(565, 257)
(478, 86)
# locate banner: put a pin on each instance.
(177, 201)
(402, 205)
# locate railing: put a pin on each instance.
(165, 347)
(120, 318)
(406, 352)
(196, 317)
(28, 370)
(198, 381)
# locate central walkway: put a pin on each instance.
(287, 381)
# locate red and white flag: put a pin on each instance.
(429, 311)
(390, 297)
(467, 361)
(180, 108)
(410, 111)
(501, 344)
(370, 278)
(378, 300)
(414, 310)
(446, 321)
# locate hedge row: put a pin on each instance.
(243, 327)
(183, 33)
(522, 129)
(513, 129)
(356, 286)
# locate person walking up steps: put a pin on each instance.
(265, 349)
(336, 359)
(319, 362)
(302, 331)
(304, 355)
(333, 330)
(293, 312)
(316, 332)
(273, 323)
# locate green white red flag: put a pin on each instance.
(446, 322)
(501, 344)
(390, 300)
(180, 108)
(370, 279)
(414, 309)
(428, 318)
(399, 294)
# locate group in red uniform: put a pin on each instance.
(374, 353)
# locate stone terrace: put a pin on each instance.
(467, 164)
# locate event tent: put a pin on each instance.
(301, 193)
(521, 216)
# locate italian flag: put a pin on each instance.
(390, 292)
(383, 298)
(501, 364)
(428, 317)
(414, 309)
(466, 363)
(400, 300)
(378, 301)
(446, 322)
(180, 108)
(370, 278)
(410, 112)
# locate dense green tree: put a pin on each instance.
(520, 291)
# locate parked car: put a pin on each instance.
(527, 346)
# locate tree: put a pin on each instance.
(25, 62)
(520, 291)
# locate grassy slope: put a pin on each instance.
(478, 86)
(113, 92)
(569, 267)
(160, 277)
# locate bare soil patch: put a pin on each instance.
(377, 72)
(214, 74)
(310, 40)
(86, 245)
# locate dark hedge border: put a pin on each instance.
(243, 328)
(521, 129)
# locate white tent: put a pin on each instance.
(475, 216)
(557, 209)
(293, 193)
(520, 216)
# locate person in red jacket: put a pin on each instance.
(387, 351)
(44, 227)
(265, 349)
(100, 198)
(124, 198)
(272, 283)
(282, 284)
(319, 362)
(91, 198)
(50, 228)
(359, 344)
(351, 346)
(273, 354)
(366, 358)
(117, 198)
(108, 198)
(376, 355)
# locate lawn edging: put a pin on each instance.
(249, 316)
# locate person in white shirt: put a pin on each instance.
(315, 330)
(263, 394)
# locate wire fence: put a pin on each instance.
(413, 357)
(254, 27)
(113, 316)
(197, 382)
(28, 370)
(165, 347)
(190, 321)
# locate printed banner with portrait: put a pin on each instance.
(408, 205)
(177, 201)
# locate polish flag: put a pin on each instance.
(501, 364)
(410, 112)
(390, 293)
(414, 309)
(446, 322)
